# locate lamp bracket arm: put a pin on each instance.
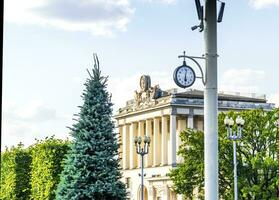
(193, 58)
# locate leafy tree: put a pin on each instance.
(92, 166)
(47, 156)
(257, 155)
(15, 174)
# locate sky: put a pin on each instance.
(49, 44)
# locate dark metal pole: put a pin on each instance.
(235, 170)
(142, 175)
(142, 152)
(234, 136)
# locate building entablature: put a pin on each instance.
(170, 104)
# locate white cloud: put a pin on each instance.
(100, 17)
(242, 80)
(34, 111)
(259, 4)
(162, 1)
(29, 121)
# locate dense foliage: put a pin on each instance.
(257, 154)
(92, 168)
(15, 174)
(47, 156)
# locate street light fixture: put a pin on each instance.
(234, 135)
(221, 12)
(142, 151)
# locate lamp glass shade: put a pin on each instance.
(139, 140)
(231, 123)
(136, 139)
(242, 122)
(148, 140)
(238, 120)
(226, 120)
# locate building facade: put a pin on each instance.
(162, 115)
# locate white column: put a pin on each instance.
(164, 144)
(148, 131)
(181, 126)
(132, 147)
(156, 142)
(150, 192)
(172, 160)
(120, 149)
(190, 121)
(165, 192)
(124, 142)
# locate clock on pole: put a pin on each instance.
(184, 76)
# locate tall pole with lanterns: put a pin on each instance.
(142, 151)
(234, 136)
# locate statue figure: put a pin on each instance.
(145, 83)
(137, 97)
(147, 94)
(156, 92)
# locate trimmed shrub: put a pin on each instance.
(47, 157)
(15, 174)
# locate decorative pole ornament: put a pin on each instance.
(234, 136)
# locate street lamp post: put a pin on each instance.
(234, 136)
(142, 151)
(210, 103)
(207, 15)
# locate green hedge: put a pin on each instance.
(47, 156)
(15, 174)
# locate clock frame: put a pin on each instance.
(175, 76)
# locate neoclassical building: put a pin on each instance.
(162, 115)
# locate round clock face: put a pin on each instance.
(184, 76)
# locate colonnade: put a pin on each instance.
(164, 133)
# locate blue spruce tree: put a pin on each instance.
(91, 169)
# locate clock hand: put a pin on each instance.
(185, 77)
